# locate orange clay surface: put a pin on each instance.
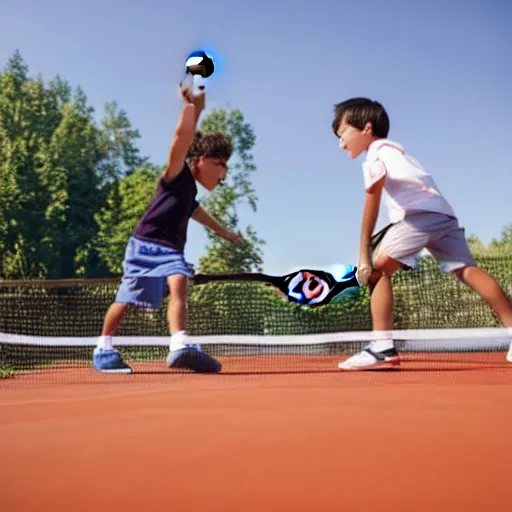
(299, 436)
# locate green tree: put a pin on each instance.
(118, 139)
(69, 175)
(126, 202)
(57, 167)
(120, 198)
(24, 134)
(497, 248)
(506, 238)
(474, 242)
(222, 203)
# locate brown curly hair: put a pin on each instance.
(210, 145)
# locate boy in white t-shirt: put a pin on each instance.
(420, 218)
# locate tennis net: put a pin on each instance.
(439, 322)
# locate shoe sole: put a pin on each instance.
(119, 370)
(191, 359)
(392, 363)
(123, 370)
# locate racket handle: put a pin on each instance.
(251, 277)
(194, 81)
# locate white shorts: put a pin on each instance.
(440, 234)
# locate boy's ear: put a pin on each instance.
(197, 161)
(368, 128)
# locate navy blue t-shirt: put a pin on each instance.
(166, 220)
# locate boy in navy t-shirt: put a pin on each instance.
(154, 258)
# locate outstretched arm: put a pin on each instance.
(200, 215)
(370, 215)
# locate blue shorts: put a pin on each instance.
(146, 266)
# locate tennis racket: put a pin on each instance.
(305, 287)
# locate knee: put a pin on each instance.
(466, 273)
(384, 265)
(178, 296)
(374, 278)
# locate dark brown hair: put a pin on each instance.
(359, 111)
(210, 145)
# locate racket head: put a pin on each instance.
(316, 287)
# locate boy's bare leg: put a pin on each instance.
(381, 300)
(177, 306)
(381, 352)
(105, 359)
(181, 353)
(488, 288)
(113, 318)
(177, 311)
(381, 303)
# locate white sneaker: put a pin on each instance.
(367, 359)
(181, 340)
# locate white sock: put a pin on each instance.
(382, 340)
(178, 340)
(105, 342)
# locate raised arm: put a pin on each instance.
(184, 133)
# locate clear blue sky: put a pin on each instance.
(442, 70)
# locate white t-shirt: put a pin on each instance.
(408, 187)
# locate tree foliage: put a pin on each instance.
(224, 202)
(72, 188)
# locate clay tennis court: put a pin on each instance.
(433, 436)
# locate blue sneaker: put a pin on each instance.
(190, 358)
(109, 361)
